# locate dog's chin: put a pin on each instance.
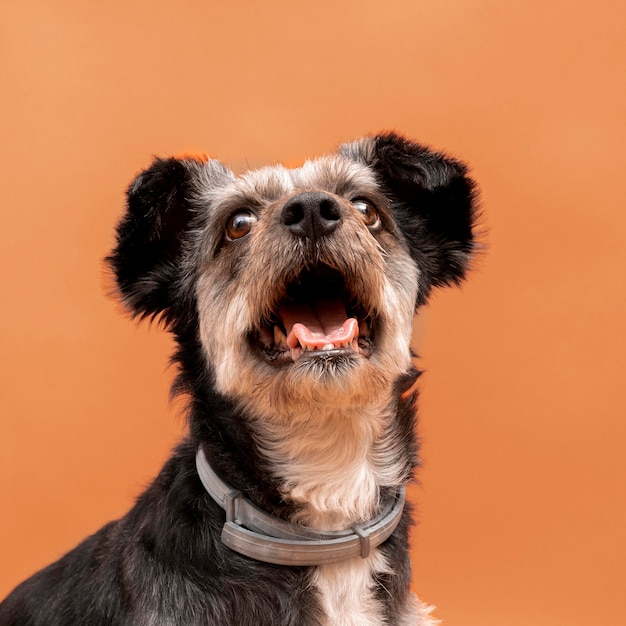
(325, 366)
(333, 379)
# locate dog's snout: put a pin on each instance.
(311, 214)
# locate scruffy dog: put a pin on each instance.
(291, 295)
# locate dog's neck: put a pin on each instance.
(251, 531)
(332, 463)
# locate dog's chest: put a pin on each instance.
(349, 596)
(347, 591)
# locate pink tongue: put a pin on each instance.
(317, 326)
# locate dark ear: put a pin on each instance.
(433, 200)
(153, 234)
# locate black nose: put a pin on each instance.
(311, 214)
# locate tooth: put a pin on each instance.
(279, 336)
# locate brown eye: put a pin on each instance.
(368, 211)
(240, 224)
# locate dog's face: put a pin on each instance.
(306, 290)
(303, 282)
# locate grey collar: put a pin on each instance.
(254, 533)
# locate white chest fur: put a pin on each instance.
(347, 591)
(347, 594)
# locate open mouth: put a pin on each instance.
(319, 317)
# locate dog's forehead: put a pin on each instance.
(335, 174)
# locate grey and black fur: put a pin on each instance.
(315, 436)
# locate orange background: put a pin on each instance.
(522, 500)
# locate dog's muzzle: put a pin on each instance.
(319, 313)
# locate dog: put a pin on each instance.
(291, 295)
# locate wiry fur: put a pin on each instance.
(320, 439)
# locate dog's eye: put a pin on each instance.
(368, 211)
(240, 224)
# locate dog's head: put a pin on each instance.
(302, 283)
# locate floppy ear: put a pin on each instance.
(433, 201)
(153, 234)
